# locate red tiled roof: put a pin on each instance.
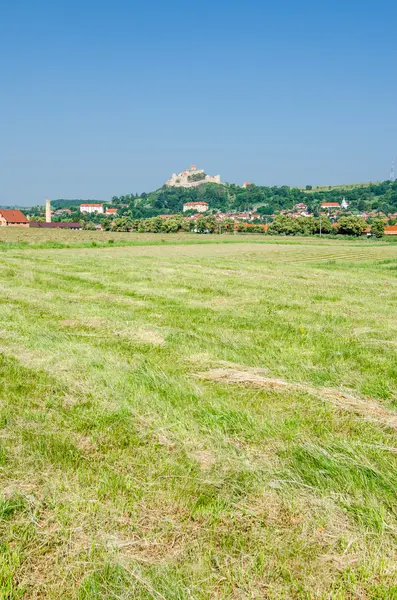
(196, 204)
(251, 226)
(13, 216)
(391, 229)
(55, 225)
(90, 204)
(330, 205)
(111, 211)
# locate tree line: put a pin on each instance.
(282, 225)
(347, 225)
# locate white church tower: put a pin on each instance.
(344, 204)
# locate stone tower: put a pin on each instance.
(48, 211)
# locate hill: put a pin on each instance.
(65, 203)
(367, 196)
(381, 196)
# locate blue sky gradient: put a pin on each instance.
(105, 98)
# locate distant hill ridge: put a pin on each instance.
(65, 203)
(381, 196)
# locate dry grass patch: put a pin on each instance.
(365, 407)
(145, 336)
(205, 459)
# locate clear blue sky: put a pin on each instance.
(104, 98)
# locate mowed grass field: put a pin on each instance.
(195, 421)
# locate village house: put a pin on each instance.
(301, 209)
(200, 207)
(391, 230)
(111, 212)
(330, 206)
(13, 218)
(62, 211)
(251, 227)
(88, 209)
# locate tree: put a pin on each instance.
(171, 225)
(385, 207)
(206, 224)
(197, 177)
(265, 210)
(351, 226)
(283, 225)
(123, 224)
(305, 225)
(155, 224)
(363, 205)
(323, 225)
(378, 228)
(227, 225)
(89, 226)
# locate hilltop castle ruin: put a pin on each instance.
(191, 178)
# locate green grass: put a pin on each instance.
(341, 187)
(125, 474)
(17, 238)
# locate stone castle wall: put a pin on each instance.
(182, 179)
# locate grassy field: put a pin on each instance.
(196, 421)
(341, 187)
(18, 238)
(41, 239)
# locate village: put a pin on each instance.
(247, 221)
(193, 201)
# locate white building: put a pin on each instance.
(191, 178)
(199, 207)
(344, 203)
(91, 208)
